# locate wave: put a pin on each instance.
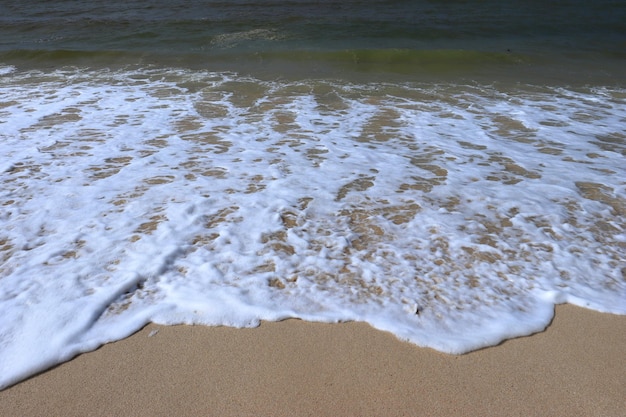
(46, 57)
(452, 216)
(402, 61)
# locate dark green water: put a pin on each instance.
(552, 41)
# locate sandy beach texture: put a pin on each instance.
(577, 367)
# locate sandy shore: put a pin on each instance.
(575, 368)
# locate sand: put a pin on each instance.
(577, 367)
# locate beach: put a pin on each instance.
(294, 368)
(443, 173)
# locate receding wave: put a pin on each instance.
(454, 216)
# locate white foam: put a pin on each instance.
(451, 216)
(6, 69)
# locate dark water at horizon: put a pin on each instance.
(575, 40)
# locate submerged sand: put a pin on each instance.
(576, 367)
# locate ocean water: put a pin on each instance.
(447, 171)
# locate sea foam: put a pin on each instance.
(453, 216)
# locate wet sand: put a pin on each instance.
(576, 367)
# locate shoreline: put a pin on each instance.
(289, 368)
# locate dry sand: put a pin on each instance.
(575, 368)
